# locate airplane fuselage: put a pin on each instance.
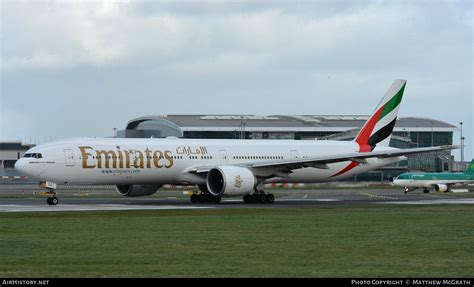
(169, 161)
(427, 180)
(220, 167)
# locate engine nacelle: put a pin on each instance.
(230, 180)
(136, 190)
(441, 187)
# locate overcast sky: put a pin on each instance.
(75, 68)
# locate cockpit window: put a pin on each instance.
(403, 176)
(34, 155)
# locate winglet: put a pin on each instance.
(379, 127)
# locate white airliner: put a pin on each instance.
(139, 167)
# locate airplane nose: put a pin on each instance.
(19, 165)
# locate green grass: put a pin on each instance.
(330, 241)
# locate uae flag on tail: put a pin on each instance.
(378, 129)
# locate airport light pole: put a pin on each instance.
(432, 134)
(417, 136)
(462, 144)
(242, 128)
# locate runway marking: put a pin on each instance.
(290, 199)
(310, 199)
(89, 207)
(433, 201)
(378, 196)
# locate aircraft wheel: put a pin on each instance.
(216, 199)
(247, 198)
(426, 191)
(194, 198)
(52, 200)
(208, 198)
(198, 198)
(270, 198)
(262, 198)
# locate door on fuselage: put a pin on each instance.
(223, 156)
(294, 154)
(69, 157)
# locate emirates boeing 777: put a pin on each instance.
(219, 167)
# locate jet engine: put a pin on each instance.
(230, 180)
(441, 187)
(136, 190)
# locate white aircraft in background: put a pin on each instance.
(441, 182)
(219, 167)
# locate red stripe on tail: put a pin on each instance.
(368, 128)
(346, 169)
(362, 139)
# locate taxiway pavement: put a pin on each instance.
(25, 198)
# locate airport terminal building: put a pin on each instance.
(409, 132)
(9, 153)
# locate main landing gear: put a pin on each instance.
(205, 198)
(259, 197)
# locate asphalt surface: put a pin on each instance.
(25, 197)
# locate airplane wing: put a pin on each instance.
(321, 162)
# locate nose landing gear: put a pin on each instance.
(52, 200)
(51, 193)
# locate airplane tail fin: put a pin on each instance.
(378, 129)
(470, 168)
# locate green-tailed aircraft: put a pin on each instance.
(441, 182)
